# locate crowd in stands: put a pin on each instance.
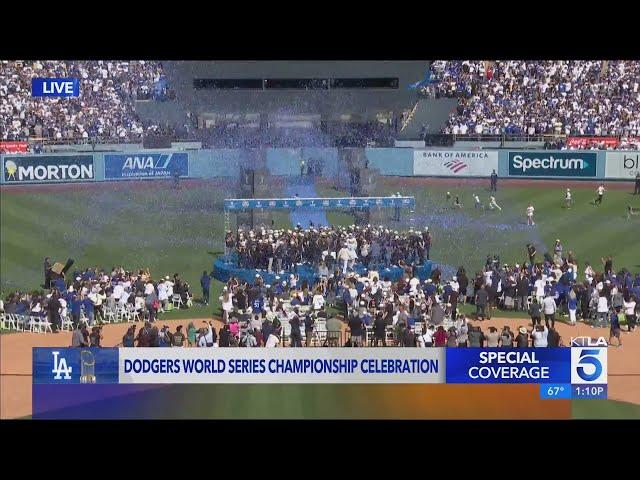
(326, 247)
(573, 97)
(104, 108)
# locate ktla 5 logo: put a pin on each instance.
(60, 367)
(588, 365)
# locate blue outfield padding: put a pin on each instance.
(223, 271)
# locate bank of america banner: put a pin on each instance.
(317, 203)
(145, 165)
(622, 165)
(454, 163)
(47, 168)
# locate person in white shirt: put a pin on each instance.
(602, 311)
(630, 313)
(148, 289)
(476, 201)
(118, 290)
(600, 190)
(162, 295)
(530, 211)
(492, 203)
(567, 198)
(549, 308)
(318, 301)
(539, 335)
(426, 339)
(272, 341)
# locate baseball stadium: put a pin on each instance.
(319, 207)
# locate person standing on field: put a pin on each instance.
(530, 211)
(636, 191)
(567, 198)
(600, 191)
(494, 181)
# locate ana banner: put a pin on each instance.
(48, 168)
(14, 147)
(454, 163)
(622, 165)
(553, 164)
(145, 165)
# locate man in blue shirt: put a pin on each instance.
(89, 310)
(615, 327)
(76, 304)
(205, 283)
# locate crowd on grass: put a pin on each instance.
(104, 108)
(371, 308)
(95, 296)
(327, 247)
(575, 97)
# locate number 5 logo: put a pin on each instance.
(588, 365)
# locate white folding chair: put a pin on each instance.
(109, 315)
(176, 300)
(45, 325)
(20, 321)
(132, 314)
(121, 312)
(67, 324)
(8, 323)
(34, 325)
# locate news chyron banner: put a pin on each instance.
(576, 372)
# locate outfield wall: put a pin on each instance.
(405, 162)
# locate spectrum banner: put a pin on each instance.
(145, 165)
(546, 163)
(622, 165)
(454, 163)
(14, 147)
(48, 168)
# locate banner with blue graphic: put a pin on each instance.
(317, 203)
(499, 365)
(571, 164)
(146, 165)
(75, 365)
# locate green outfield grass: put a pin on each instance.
(181, 231)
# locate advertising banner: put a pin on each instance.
(235, 204)
(454, 163)
(622, 165)
(145, 165)
(48, 169)
(14, 147)
(553, 164)
(598, 142)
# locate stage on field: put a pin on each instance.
(223, 271)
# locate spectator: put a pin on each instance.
(493, 337)
(522, 340)
(539, 336)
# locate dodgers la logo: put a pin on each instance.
(60, 367)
